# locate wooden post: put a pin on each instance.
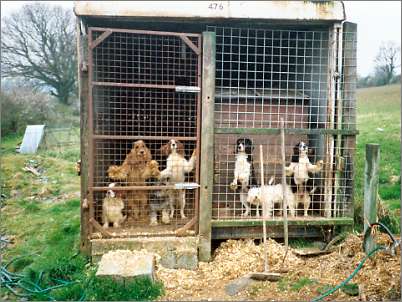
(371, 171)
(264, 211)
(207, 144)
(285, 204)
(82, 53)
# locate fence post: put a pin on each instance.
(207, 145)
(371, 172)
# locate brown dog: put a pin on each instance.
(135, 170)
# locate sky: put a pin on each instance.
(377, 22)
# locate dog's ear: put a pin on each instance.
(296, 149)
(165, 149)
(311, 151)
(180, 148)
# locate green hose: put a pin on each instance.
(343, 283)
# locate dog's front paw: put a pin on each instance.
(153, 222)
(165, 217)
(153, 165)
(233, 185)
(320, 163)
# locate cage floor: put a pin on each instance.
(147, 230)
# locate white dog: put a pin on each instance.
(176, 168)
(243, 172)
(300, 167)
(269, 195)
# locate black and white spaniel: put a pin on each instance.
(244, 171)
(302, 171)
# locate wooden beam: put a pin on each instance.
(371, 172)
(279, 222)
(207, 144)
(83, 86)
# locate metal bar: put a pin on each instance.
(331, 117)
(134, 188)
(284, 199)
(145, 32)
(100, 39)
(198, 142)
(133, 85)
(190, 44)
(264, 211)
(265, 131)
(90, 132)
(339, 109)
(145, 137)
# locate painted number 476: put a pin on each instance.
(215, 6)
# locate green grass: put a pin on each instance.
(378, 120)
(44, 221)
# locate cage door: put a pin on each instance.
(144, 86)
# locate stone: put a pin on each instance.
(127, 264)
(187, 259)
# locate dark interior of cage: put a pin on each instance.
(322, 186)
(262, 75)
(142, 203)
(125, 57)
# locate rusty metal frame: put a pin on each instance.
(92, 137)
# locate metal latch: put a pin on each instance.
(186, 185)
(193, 89)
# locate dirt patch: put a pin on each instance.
(306, 277)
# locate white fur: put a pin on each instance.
(269, 195)
(176, 167)
(242, 173)
(301, 169)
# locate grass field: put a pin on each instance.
(379, 121)
(41, 213)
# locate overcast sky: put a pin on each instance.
(377, 21)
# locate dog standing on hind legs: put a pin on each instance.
(244, 171)
(176, 168)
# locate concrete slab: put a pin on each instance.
(127, 264)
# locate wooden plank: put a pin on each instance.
(273, 232)
(279, 222)
(207, 144)
(82, 53)
(371, 172)
(349, 75)
(265, 131)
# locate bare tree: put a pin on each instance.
(38, 44)
(388, 60)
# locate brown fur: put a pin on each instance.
(137, 167)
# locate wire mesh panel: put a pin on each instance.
(262, 75)
(231, 202)
(144, 120)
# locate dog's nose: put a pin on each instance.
(142, 152)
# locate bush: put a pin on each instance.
(24, 106)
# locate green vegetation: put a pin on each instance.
(378, 120)
(41, 217)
